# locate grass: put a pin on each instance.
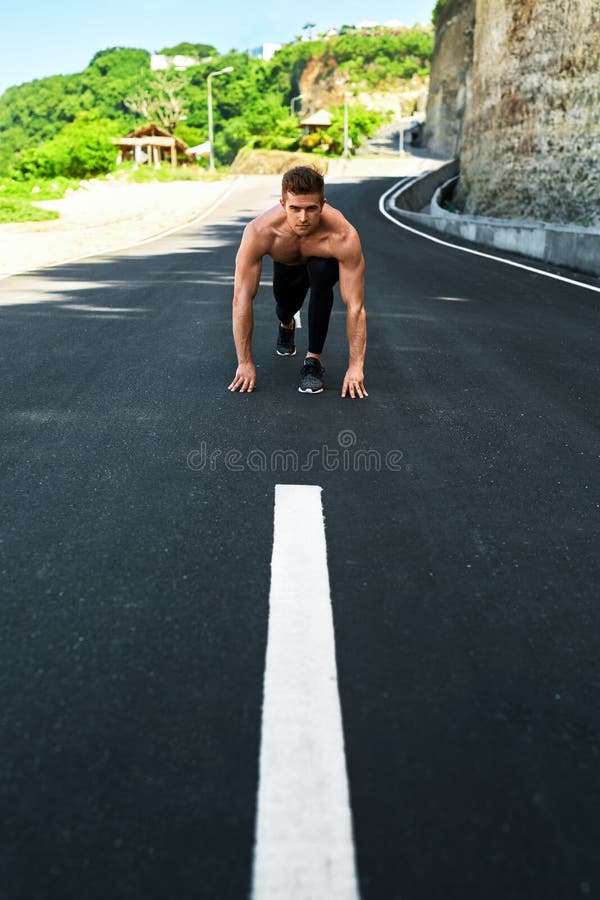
(148, 174)
(36, 189)
(16, 196)
(16, 209)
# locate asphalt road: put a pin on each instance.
(135, 567)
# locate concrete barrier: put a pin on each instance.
(560, 245)
(417, 195)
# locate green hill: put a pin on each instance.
(48, 125)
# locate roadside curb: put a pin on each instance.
(388, 208)
(568, 246)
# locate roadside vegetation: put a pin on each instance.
(15, 209)
(58, 130)
(16, 198)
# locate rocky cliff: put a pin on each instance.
(524, 106)
(450, 67)
(322, 86)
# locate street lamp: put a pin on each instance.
(346, 153)
(298, 97)
(346, 141)
(211, 136)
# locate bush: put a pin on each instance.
(82, 149)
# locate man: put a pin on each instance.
(312, 246)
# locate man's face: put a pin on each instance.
(302, 211)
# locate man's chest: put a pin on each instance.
(294, 251)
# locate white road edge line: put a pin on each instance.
(304, 847)
(402, 185)
(148, 240)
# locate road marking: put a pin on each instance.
(304, 842)
(402, 185)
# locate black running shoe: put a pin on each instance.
(286, 345)
(311, 376)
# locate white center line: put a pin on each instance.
(304, 842)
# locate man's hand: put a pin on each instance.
(354, 383)
(245, 378)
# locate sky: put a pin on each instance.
(41, 38)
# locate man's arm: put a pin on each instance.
(352, 290)
(248, 265)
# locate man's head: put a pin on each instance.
(302, 180)
(302, 198)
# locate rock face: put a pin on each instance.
(321, 86)
(529, 126)
(450, 67)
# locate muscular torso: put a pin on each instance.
(275, 238)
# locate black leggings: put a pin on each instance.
(290, 286)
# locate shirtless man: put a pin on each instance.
(312, 246)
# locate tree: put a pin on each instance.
(81, 149)
(162, 101)
(195, 51)
(251, 106)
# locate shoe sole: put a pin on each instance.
(310, 390)
(279, 353)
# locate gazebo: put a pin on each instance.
(151, 144)
(319, 119)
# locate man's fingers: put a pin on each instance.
(244, 385)
(354, 388)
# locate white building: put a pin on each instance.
(265, 51)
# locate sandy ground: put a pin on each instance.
(103, 217)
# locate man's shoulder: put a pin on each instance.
(259, 234)
(343, 234)
(337, 222)
(268, 220)
(264, 226)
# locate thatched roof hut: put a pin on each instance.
(151, 144)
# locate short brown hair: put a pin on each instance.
(303, 180)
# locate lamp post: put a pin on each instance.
(346, 152)
(297, 97)
(346, 141)
(401, 138)
(211, 135)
